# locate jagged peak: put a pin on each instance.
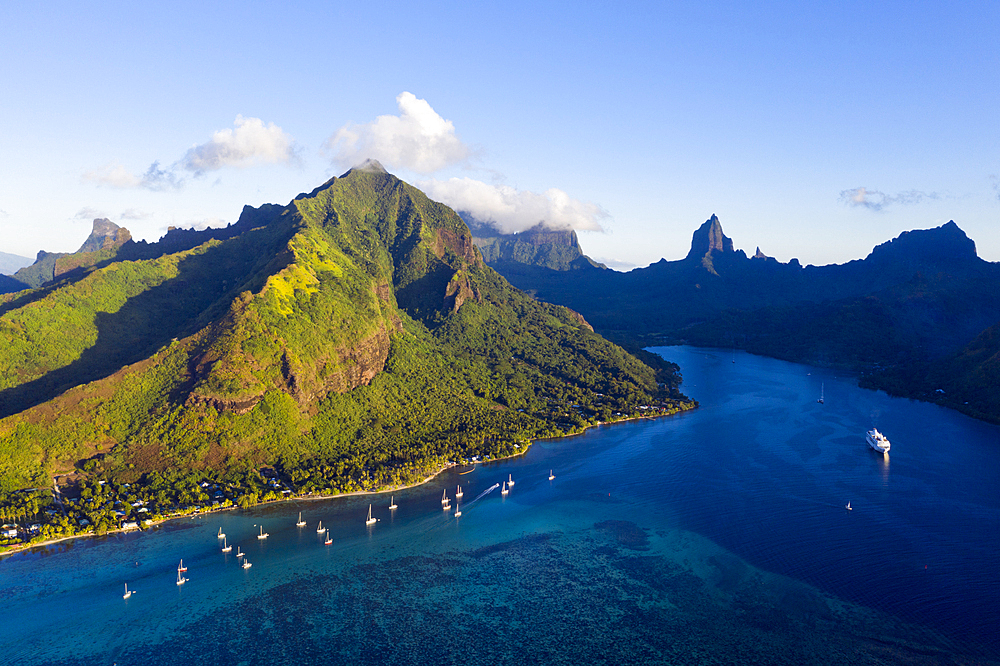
(709, 238)
(760, 255)
(104, 233)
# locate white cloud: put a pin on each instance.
(155, 178)
(511, 210)
(88, 213)
(417, 139)
(133, 214)
(251, 142)
(114, 175)
(876, 200)
(207, 223)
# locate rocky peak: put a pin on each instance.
(105, 233)
(709, 238)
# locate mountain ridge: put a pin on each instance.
(912, 300)
(351, 339)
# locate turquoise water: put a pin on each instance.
(718, 536)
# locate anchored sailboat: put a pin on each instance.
(226, 548)
(181, 568)
(263, 534)
(510, 481)
(222, 534)
(319, 528)
(504, 491)
(329, 539)
(181, 579)
(301, 522)
(128, 593)
(246, 564)
(444, 497)
(239, 553)
(370, 520)
(392, 503)
(458, 493)
(551, 475)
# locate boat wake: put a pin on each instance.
(483, 494)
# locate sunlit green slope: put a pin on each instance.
(351, 339)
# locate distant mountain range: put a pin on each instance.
(351, 339)
(9, 263)
(557, 249)
(906, 317)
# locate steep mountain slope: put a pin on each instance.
(556, 249)
(967, 380)
(353, 338)
(914, 299)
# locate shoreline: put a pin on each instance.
(15, 550)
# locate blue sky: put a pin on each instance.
(813, 130)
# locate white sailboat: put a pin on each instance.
(458, 513)
(444, 497)
(246, 564)
(510, 481)
(181, 579)
(300, 523)
(369, 520)
(263, 534)
(319, 528)
(226, 548)
(392, 503)
(329, 539)
(848, 507)
(459, 493)
(239, 553)
(504, 491)
(551, 475)
(128, 593)
(222, 535)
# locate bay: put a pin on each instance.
(716, 536)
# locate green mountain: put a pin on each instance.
(103, 243)
(556, 249)
(352, 339)
(912, 302)
(966, 380)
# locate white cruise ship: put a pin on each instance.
(877, 441)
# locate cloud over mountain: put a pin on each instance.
(417, 139)
(511, 210)
(876, 200)
(249, 143)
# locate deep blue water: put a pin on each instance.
(717, 536)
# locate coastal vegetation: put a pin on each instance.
(913, 318)
(350, 341)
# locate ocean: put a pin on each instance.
(717, 536)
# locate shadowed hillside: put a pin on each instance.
(913, 301)
(351, 339)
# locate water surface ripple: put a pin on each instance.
(718, 536)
